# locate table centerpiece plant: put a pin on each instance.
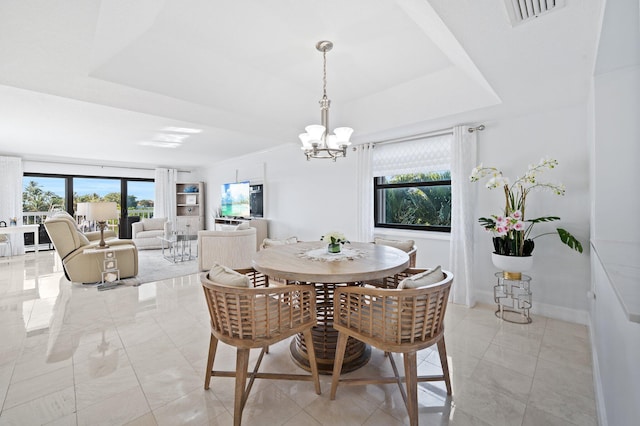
(334, 241)
(511, 230)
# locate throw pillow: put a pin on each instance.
(242, 225)
(226, 276)
(405, 246)
(429, 277)
(268, 242)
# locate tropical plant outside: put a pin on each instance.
(408, 202)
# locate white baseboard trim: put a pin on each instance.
(546, 310)
(597, 383)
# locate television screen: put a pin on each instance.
(235, 199)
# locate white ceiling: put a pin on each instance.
(91, 81)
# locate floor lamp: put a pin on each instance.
(101, 212)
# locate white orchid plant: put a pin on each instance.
(511, 230)
(334, 238)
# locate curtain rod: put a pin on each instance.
(101, 166)
(433, 134)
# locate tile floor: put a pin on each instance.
(136, 356)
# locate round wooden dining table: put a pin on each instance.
(308, 263)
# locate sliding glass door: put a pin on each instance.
(140, 201)
(46, 193)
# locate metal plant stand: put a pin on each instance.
(513, 297)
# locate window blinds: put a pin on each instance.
(431, 154)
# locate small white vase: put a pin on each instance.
(512, 266)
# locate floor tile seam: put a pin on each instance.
(31, 378)
(9, 383)
(135, 373)
(88, 407)
(502, 345)
(574, 395)
(512, 369)
(538, 407)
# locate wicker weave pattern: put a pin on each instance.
(403, 321)
(384, 316)
(258, 315)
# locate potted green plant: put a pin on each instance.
(334, 241)
(511, 230)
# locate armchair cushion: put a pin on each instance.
(227, 276)
(426, 278)
(405, 246)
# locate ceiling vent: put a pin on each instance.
(521, 11)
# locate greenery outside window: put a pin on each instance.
(417, 201)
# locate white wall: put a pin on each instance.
(307, 198)
(302, 198)
(560, 276)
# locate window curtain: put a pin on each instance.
(463, 196)
(364, 188)
(165, 194)
(11, 196)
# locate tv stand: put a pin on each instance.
(260, 224)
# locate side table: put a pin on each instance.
(513, 297)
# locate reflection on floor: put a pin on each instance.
(136, 355)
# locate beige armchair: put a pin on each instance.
(233, 249)
(146, 232)
(81, 262)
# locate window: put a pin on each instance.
(43, 193)
(412, 184)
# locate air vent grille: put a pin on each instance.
(521, 11)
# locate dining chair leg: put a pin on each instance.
(442, 351)
(213, 345)
(242, 367)
(341, 346)
(313, 363)
(411, 381)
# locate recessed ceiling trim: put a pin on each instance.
(521, 11)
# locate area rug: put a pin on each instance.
(152, 266)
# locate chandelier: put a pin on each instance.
(317, 142)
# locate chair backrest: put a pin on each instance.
(258, 316)
(234, 249)
(408, 246)
(153, 224)
(394, 320)
(64, 235)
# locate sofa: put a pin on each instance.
(82, 261)
(233, 249)
(146, 232)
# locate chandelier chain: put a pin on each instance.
(324, 73)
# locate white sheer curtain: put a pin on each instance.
(165, 202)
(463, 196)
(364, 187)
(11, 196)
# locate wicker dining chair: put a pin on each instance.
(256, 317)
(394, 320)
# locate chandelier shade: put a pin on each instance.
(317, 142)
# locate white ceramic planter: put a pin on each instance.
(512, 263)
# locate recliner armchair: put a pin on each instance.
(82, 265)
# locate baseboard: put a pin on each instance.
(546, 310)
(597, 383)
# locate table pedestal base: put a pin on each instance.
(356, 355)
(325, 339)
